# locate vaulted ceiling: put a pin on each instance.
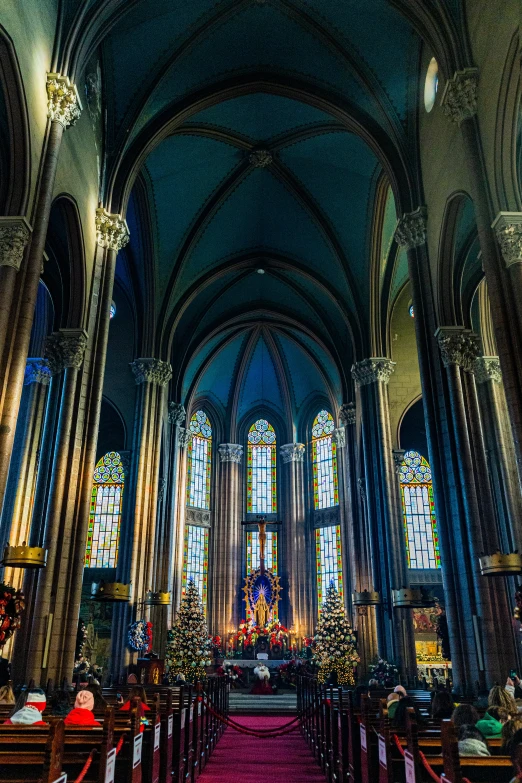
(246, 140)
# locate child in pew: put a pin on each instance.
(60, 702)
(82, 712)
(28, 709)
(464, 714)
(99, 702)
(492, 722)
(472, 742)
(138, 690)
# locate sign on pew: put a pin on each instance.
(61, 779)
(383, 759)
(157, 730)
(111, 766)
(362, 731)
(170, 728)
(409, 767)
(138, 746)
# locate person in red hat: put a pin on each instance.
(82, 713)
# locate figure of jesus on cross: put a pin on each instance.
(262, 522)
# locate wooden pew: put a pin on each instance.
(479, 769)
(31, 754)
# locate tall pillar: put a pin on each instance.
(14, 236)
(489, 604)
(183, 439)
(357, 544)
(459, 103)
(386, 536)
(225, 567)
(177, 416)
(297, 537)
(64, 108)
(66, 349)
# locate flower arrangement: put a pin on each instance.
(140, 636)
(12, 604)
(248, 633)
(383, 670)
(215, 645)
(334, 645)
(231, 670)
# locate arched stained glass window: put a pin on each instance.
(199, 461)
(324, 460)
(328, 558)
(195, 560)
(420, 524)
(261, 469)
(103, 534)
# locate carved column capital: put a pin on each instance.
(292, 452)
(65, 349)
(378, 368)
(398, 459)
(37, 371)
(14, 236)
(260, 159)
(459, 99)
(458, 346)
(339, 437)
(411, 229)
(177, 413)
(230, 452)
(112, 231)
(184, 436)
(347, 413)
(63, 102)
(151, 371)
(508, 228)
(487, 368)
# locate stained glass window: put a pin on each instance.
(420, 523)
(195, 559)
(253, 551)
(261, 469)
(328, 556)
(103, 534)
(324, 460)
(199, 461)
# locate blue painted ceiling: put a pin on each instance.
(192, 90)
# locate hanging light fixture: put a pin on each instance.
(24, 556)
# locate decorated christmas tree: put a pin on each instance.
(188, 644)
(334, 641)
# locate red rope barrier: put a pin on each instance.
(86, 766)
(267, 734)
(398, 744)
(119, 746)
(433, 775)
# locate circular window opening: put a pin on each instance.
(431, 85)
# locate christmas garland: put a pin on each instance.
(140, 635)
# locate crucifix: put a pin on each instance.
(262, 522)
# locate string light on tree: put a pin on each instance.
(335, 650)
(188, 644)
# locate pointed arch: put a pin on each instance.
(103, 534)
(418, 506)
(261, 468)
(324, 461)
(199, 461)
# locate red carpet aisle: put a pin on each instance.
(242, 759)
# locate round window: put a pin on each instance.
(431, 85)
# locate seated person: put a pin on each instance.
(99, 702)
(491, 724)
(136, 690)
(464, 714)
(6, 694)
(28, 709)
(60, 702)
(500, 697)
(82, 712)
(509, 729)
(472, 742)
(393, 703)
(399, 720)
(442, 706)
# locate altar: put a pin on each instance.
(245, 664)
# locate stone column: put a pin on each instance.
(174, 532)
(14, 236)
(183, 439)
(500, 452)
(296, 536)
(459, 103)
(226, 585)
(488, 602)
(64, 108)
(386, 533)
(63, 349)
(357, 546)
(16, 518)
